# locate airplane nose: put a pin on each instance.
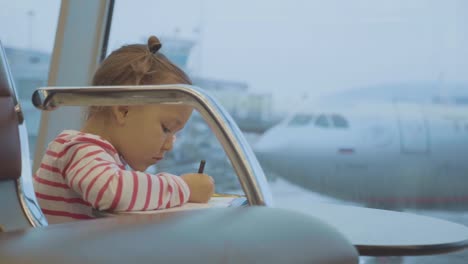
(267, 144)
(264, 146)
(270, 149)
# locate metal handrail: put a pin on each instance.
(244, 161)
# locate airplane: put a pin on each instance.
(392, 146)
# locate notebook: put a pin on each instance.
(215, 202)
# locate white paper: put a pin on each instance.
(215, 202)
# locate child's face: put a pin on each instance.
(145, 133)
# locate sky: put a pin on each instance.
(289, 48)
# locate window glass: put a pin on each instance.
(300, 120)
(322, 121)
(398, 71)
(339, 121)
(27, 35)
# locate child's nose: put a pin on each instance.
(168, 143)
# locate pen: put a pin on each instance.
(202, 166)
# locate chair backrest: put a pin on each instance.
(18, 205)
(10, 152)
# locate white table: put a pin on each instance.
(388, 233)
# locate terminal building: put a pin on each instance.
(252, 111)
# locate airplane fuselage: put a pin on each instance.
(394, 155)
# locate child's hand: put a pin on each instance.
(201, 187)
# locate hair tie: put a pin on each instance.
(154, 44)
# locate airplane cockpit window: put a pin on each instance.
(339, 121)
(322, 121)
(300, 120)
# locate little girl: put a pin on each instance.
(86, 169)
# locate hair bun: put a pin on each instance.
(154, 44)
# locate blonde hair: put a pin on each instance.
(137, 64)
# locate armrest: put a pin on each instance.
(229, 235)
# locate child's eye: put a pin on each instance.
(165, 129)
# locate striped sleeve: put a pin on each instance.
(95, 175)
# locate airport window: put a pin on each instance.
(322, 121)
(28, 43)
(339, 121)
(351, 58)
(300, 120)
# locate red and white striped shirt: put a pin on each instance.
(82, 171)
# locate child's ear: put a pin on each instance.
(120, 113)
